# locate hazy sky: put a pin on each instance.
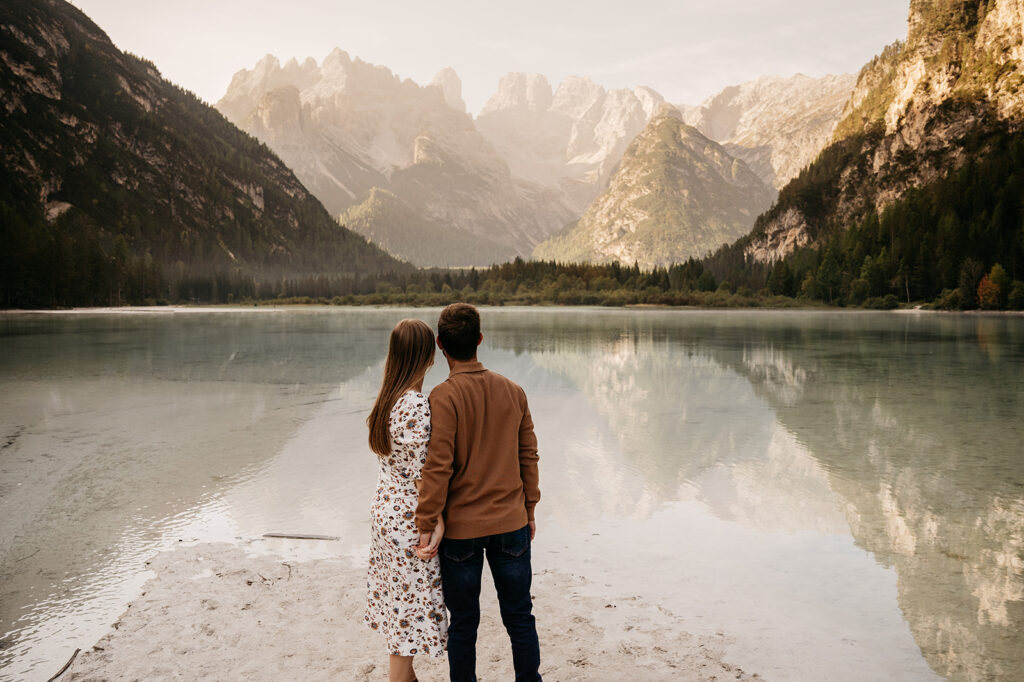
(686, 50)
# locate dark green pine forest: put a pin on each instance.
(957, 243)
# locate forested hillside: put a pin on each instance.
(119, 187)
(920, 196)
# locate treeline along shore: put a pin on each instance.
(956, 244)
(822, 283)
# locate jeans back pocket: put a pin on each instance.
(515, 543)
(458, 550)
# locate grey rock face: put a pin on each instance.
(777, 125)
(569, 141)
(347, 127)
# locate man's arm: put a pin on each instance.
(437, 470)
(528, 463)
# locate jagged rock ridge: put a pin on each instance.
(569, 139)
(777, 125)
(676, 195)
(347, 127)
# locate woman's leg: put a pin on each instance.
(400, 669)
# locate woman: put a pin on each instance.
(404, 599)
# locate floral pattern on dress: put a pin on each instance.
(404, 599)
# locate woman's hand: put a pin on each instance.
(427, 549)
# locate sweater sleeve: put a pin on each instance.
(437, 471)
(528, 460)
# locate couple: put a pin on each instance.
(458, 480)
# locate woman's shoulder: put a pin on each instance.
(410, 399)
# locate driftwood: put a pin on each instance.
(66, 666)
(300, 536)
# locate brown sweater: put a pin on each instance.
(481, 468)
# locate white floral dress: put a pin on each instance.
(404, 599)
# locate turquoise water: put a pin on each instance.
(842, 494)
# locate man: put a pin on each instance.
(481, 473)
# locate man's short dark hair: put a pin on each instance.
(458, 328)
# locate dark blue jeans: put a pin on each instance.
(462, 562)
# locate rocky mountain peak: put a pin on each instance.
(576, 95)
(649, 98)
(966, 50)
(529, 91)
(298, 74)
(349, 126)
(666, 110)
(676, 194)
(574, 143)
(269, 64)
(451, 86)
(336, 59)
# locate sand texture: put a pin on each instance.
(216, 611)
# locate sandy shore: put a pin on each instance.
(216, 611)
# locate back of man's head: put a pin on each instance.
(458, 328)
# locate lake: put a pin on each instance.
(840, 493)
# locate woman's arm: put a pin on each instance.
(429, 551)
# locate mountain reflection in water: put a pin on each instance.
(911, 422)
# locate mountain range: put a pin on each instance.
(483, 190)
(403, 164)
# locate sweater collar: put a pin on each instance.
(467, 367)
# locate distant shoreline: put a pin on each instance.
(282, 307)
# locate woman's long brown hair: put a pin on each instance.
(410, 353)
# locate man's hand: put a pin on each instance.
(533, 530)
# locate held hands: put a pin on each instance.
(429, 542)
(427, 549)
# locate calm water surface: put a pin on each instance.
(842, 494)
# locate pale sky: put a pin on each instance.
(686, 50)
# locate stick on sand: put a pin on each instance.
(66, 666)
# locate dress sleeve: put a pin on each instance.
(410, 433)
